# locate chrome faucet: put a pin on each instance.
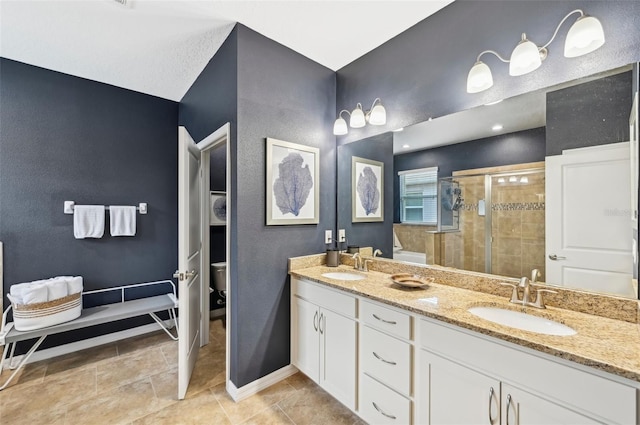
(376, 253)
(526, 285)
(357, 261)
(360, 263)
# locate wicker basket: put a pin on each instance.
(27, 317)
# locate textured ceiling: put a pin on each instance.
(160, 47)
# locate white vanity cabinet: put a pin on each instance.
(324, 338)
(467, 378)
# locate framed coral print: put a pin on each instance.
(292, 183)
(218, 209)
(367, 190)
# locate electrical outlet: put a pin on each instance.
(342, 237)
(328, 236)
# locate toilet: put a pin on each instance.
(219, 276)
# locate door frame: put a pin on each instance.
(220, 136)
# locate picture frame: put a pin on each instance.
(292, 185)
(218, 209)
(367, 190)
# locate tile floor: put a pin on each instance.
(134, 381)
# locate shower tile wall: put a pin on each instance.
(518, 226)
(413, 237)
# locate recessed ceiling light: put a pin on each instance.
(406, 146)
(493, 103)
(497, 127)
(398, 129)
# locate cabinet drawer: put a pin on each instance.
(332, 300)
(389, 320)
(381, 405)
(386, 358)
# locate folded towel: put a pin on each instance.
(123, 220)
(88, 221)
(55, 288)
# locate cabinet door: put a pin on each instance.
(338, 356)
(305, 352)
(459, 395)
(523, 408)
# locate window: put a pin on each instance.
(419, 196)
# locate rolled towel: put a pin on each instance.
(88, 221)
(57, 288)
(74, 285)
(122, 219)
(35, 294)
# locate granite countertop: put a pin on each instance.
(606, 344)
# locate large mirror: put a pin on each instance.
(542, 180)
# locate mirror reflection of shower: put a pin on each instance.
(450, 201)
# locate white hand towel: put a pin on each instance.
(74, 285)
(88, 221)
(57, 288)
(35, 294)
(123, 220)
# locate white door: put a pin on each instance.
(338, 356)
(522, 408)
(458, 395)
(305, 350)
(588, 225)
(189, 247)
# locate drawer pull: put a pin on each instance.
(508, 406)
(382, 412)
(383, 360)
(391, 322)
(490, 403)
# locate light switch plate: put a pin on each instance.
(342, 237)
(327, 236)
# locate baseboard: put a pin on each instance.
(246, 391)
(91, 342)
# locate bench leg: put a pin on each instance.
(164, 328)
(23, 361)
(172, 316)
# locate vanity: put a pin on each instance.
(397, 355)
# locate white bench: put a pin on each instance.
(124, 309)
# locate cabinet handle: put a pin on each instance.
(381, 412)
(385, 321)
(383, 360)
(320, 323)
(315, 321)
(508, 406)
(490, 404)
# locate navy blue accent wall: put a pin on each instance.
(589, 114)
(209, 103)
(67, 138)
(284, 95)
(422, 72)
(375, 234)
(506, 149)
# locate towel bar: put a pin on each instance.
(68, 207)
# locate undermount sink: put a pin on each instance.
(523, 321)
(343, 276)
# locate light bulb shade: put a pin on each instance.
(357, 118)
(525, 58)
(479, 78)
(378, 115)
(340, 127)
(584, 36)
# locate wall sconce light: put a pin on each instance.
(358, 118)
(584, 36)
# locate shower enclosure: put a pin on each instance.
(494, 222)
